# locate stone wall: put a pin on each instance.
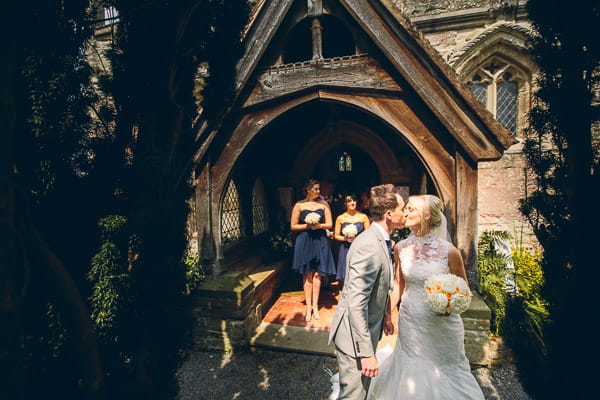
(431, 7)
(502, 184)
(451, 26)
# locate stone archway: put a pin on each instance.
(360, 136)
(437, 158)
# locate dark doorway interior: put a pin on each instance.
(359, 177)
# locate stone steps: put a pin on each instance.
(229, 312)
(479, 348)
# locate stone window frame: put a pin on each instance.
(504, 43)
(492, 78)
(521, 74)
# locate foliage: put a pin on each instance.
(493, 276)
(563, 153)
(520, 315)
(282, 243)
(123, 175)
(194, 273)
(109, 277)
(150, 155)
(54, 214)
(399, 234)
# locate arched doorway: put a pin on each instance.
(307, 141)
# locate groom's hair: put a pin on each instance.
(383, 198)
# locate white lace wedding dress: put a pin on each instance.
(428, 361)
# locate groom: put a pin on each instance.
(358, 321)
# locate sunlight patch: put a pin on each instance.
(226, 359)
(411, 386)
(264, 385)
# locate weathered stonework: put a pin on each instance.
(466, 34)
(502, 184)
(225, 311)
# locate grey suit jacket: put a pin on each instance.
(358, 321)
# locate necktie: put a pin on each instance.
(389, 245)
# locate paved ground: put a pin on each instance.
(259, 374)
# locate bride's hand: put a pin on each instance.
(388, 326)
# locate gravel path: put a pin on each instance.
(258, 374)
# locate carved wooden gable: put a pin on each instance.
(295, 47)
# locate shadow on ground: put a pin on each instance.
(254, 374)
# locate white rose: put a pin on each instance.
(459, 303)
(438, 302)
(312, 218)
(462, 284)
(350, 231)
(449, 283)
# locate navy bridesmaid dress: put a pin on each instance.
(311, 250)
(344, 246)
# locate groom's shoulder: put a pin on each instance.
(368, 236)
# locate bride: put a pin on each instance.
(428, 361)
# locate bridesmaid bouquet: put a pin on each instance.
(447, 293)
(312, 218)
(350, 231)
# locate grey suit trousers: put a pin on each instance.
(353, 384)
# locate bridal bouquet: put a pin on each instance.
(447, 293)
(312, 218)
(350, 231)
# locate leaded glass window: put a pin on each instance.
(259, 208)
(506, 104)
(111, 15)
(231, 215)
(480, 91)
(495, 86)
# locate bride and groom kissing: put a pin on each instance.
(428, 361)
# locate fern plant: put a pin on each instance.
(499, 271)
(493, 275)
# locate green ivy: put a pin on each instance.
(194, 274)
(109, 278)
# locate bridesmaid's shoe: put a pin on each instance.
(316, 313)
(307, 316)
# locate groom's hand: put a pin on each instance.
(369, 366)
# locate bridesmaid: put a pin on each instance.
(312, 255)
(351, 217)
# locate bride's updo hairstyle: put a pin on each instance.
(428, 204)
